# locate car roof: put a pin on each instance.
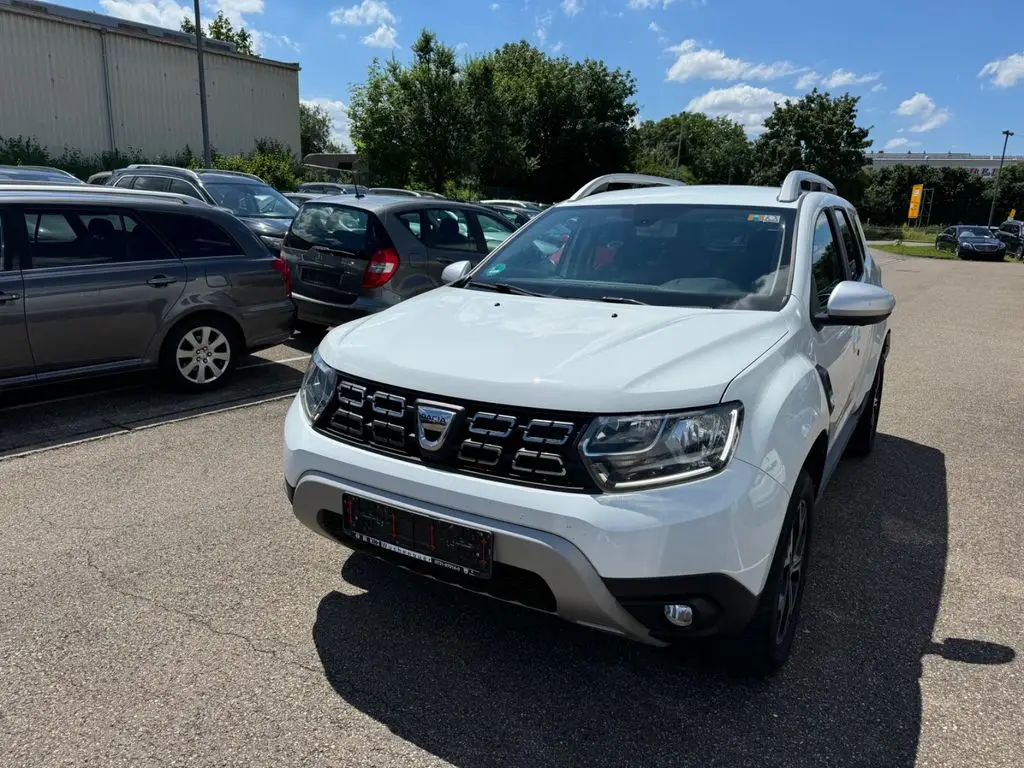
(379, 203)
(145, 200)
(708, 194)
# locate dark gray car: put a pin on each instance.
(102, 283)
(351, 256)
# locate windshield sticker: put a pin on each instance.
(497, 269)
(765, 218)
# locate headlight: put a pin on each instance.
(317, 387)
(967, 245)
(630, 452)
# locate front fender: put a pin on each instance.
(785, 411)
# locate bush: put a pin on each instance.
(270, 160)
(875, 232)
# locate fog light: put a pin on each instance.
(680, 615)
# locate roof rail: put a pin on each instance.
(39, 168)
(188, 173)
(799, 182)
(57, 190)
(601, 183)
(232, 173)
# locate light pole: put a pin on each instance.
(207, 158)
(995, 192)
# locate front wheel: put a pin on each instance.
(862, 441)
(200, 353)
(765, 646)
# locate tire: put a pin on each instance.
(1019, 253)
(765, 645)
(862, 441)
(200, 352)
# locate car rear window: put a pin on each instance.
(324, 225)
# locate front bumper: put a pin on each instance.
(605, 561)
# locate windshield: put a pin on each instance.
(972, 232)
(671, 255)
(252, 199)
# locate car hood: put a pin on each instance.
(271, 227)
(560, 354)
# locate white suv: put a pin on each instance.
(624, 415)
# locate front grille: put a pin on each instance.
(512, 444)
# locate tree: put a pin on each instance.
(709, 150)
(221, 28)
(315, 129)
(818, 133)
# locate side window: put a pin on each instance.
(74, 239)
(495, 231)
(151, 183)
(124, 181)
(179, 187)
(412, 222)
(851, 243)
(143, 243)
(193, 237)
(449, 231)
(826, 264)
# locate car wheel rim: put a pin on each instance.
(792, 575)
(203, 355)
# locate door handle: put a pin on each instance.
(160, 281)
(5, 297)
(445, 260)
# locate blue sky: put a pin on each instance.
(941, 76)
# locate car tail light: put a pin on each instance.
(382, 267)
(286, 273)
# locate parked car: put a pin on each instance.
(517, 216)
(304, 197)
(114, 281)
(332, 188)
(1011, 233)
(397, 192)
(352, 256)
(35, 174)
(971, 242)
(99, 178)
(260, 207)
(520, 204)
(636, 438)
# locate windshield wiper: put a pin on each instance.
(498, 287)
(621, 300)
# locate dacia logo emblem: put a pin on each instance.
(433, 423)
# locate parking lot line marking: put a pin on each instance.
(121, 430)
(273, 362)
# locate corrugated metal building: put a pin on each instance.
(94, 83)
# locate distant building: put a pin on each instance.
(94, 83)
(980, 165)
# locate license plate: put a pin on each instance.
(321, 277)
(456, 547)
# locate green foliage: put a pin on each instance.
(817, 133)
(514, 119)
(270, 160)
(710, 150)
(315, 129)
(221, 28)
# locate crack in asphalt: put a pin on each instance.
(195, 619)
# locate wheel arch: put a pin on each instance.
(193, 316)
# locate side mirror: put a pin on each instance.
(853, 303)
(455, 271)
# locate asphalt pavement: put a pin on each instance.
(159, 606)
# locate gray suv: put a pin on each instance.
(102, 283)
(351, 255)
(261, 208)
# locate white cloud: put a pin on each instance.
(805, 81)
(841, 77)
(923, 108)
(367, 13)
(384, 36)
(161, 13)
(282, 41)
(878, 87)
(1005, 72)
(639, 5)
(557, 47)
(543, 25)
(695, 62)
(572, 7)
(901, 143)
(747, 105)
(338, 111)
(653, 26)
(495, 6)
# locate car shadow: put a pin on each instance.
(57, 414)
(480, 683)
